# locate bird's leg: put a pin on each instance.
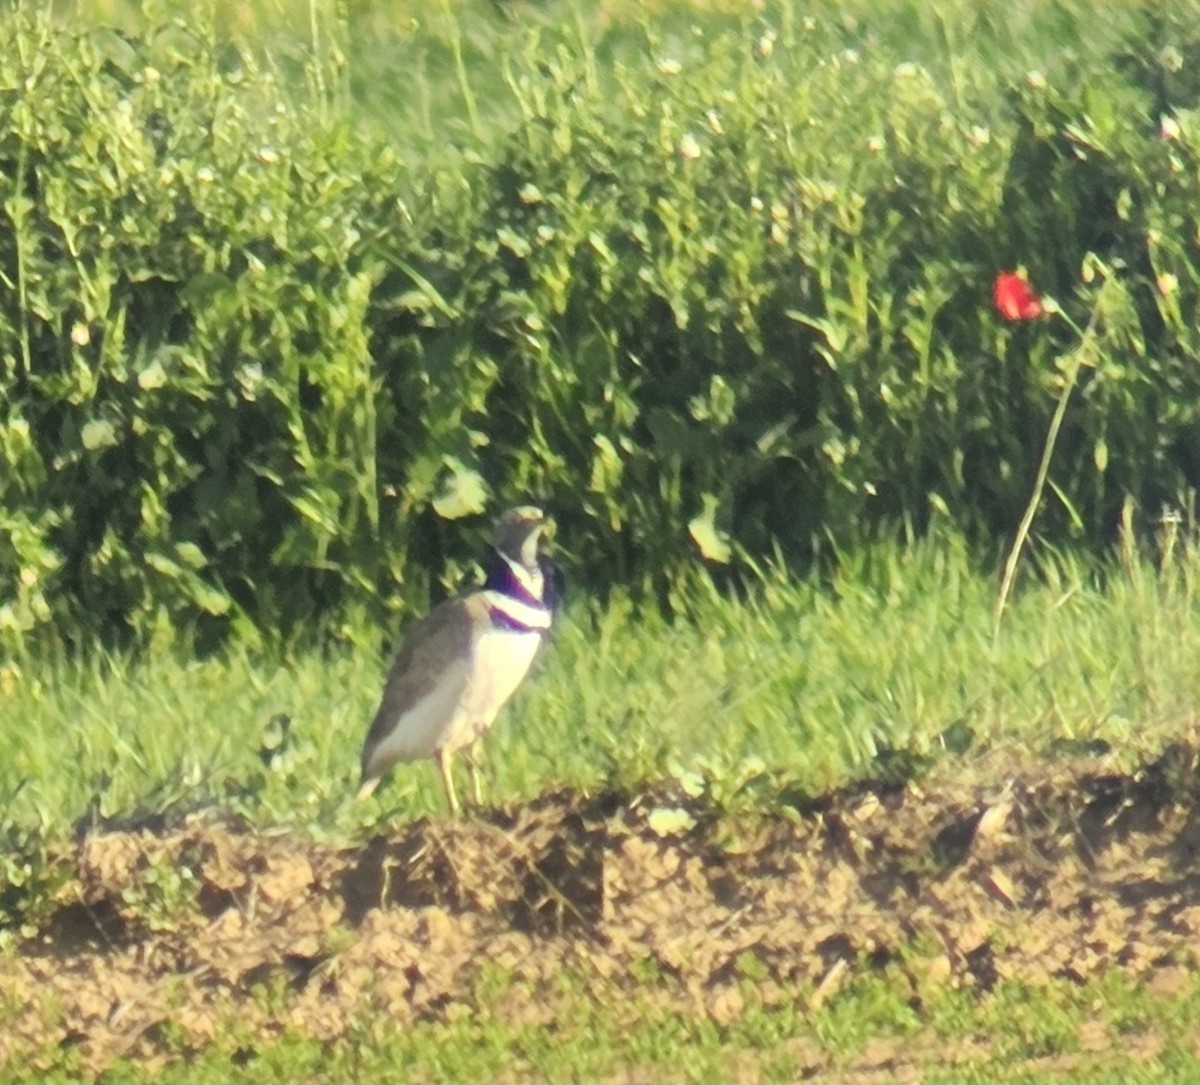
(443, 763)
(476, 773)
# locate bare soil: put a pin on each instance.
(1005, 868)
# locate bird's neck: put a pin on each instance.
(513, 616)
(514, 579)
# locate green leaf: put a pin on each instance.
(191, 555)
(692, 783)
(209, 599)
(669, 821)
(672, 435)
(98, 433)
(429, 294)
(201, 289)
(514, 242)
(606, 467)
(153, 376)
(713, 543)
(463, 492)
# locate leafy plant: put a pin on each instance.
(262, 371)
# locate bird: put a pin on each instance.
(462, 662)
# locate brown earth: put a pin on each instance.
(1005, 869)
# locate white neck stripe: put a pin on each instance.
(535, 617)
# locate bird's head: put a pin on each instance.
(519, 532)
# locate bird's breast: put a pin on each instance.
(502, 659)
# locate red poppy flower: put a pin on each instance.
(1014, 297)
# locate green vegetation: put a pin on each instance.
(777, 1043)
(750, 707)
(711, 285)
(290, 294)
(895, 1025)
(800, 686)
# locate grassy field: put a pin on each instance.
(436, 76)
(892, 662)
(741, 715)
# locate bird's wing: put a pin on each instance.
(434, 658)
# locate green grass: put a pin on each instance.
(802, 684)
(430, 75)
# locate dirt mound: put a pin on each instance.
(1006, 870)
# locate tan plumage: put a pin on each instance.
(460, 664)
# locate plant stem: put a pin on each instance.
(1081, 356)
(460, 67)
